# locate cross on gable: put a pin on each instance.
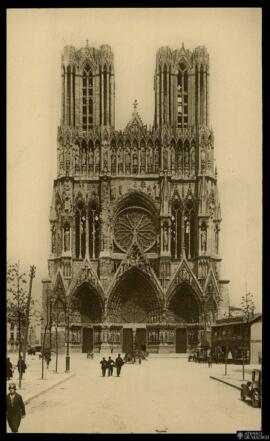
(135, 104)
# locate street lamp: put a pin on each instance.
(67, 336)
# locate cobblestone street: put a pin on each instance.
(160, 395)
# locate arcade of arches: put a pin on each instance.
(135, 318)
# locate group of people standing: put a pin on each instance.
(110, 364)
(21, 365)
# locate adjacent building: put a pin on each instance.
(239, 336)
(135, 214)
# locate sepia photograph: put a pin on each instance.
(134, 221)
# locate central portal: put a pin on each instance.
(134, 300)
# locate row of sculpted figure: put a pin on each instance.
(179, 159)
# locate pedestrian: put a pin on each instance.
(110, 365)
(9, 369)
(21, 366)
(47, 358)
(103, 366)
(15, 409)
(209, 359)
(119, 363)
(229, 357)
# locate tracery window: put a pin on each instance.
(182, 96)
(176, 229)
(135, 221)
(190, 230)
(94, 227)
(87, 97)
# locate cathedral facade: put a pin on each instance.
(135, 215)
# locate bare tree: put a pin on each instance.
(27, 312)
(16, 302)
(19, 304)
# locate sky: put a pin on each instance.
(35, 39)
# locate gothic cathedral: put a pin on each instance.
(135, 215)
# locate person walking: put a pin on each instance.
(47, 357)
(229, 357)
(15, 409)
(9, 369)
(119, 363)
(209, 360)
(21, 365)
(103, 366)
(110, 365)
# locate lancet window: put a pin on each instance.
(87, 230)
(182, 96)
(176, 229)
(87, 98)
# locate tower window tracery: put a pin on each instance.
(87, 98)
(182, 96)
(176, 229)
(93, 219)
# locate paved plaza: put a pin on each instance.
(161, 395)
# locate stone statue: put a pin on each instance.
(66, 238)
(53, 239)
(165, 238)
(203, 240)
(165, 159)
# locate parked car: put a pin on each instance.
(252, 389)
(33, 349)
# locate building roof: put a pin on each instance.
(237, 320)
(235, 308)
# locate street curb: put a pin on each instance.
(27, 401)
(225, 382)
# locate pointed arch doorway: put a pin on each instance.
(184, 310)
(87, 311)
(134, 303)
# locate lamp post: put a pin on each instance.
(56, 340)
(67, 334)
(226, 358)
(43, 346)
(243, 364)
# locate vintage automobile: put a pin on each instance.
(252, 389)
(33, 349)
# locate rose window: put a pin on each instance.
(135, 222)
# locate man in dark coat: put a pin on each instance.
(119, 363)
(15, 409)
(47, 357)
(103, 366)
(9, 373)
(21, 365)
(110, 365)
